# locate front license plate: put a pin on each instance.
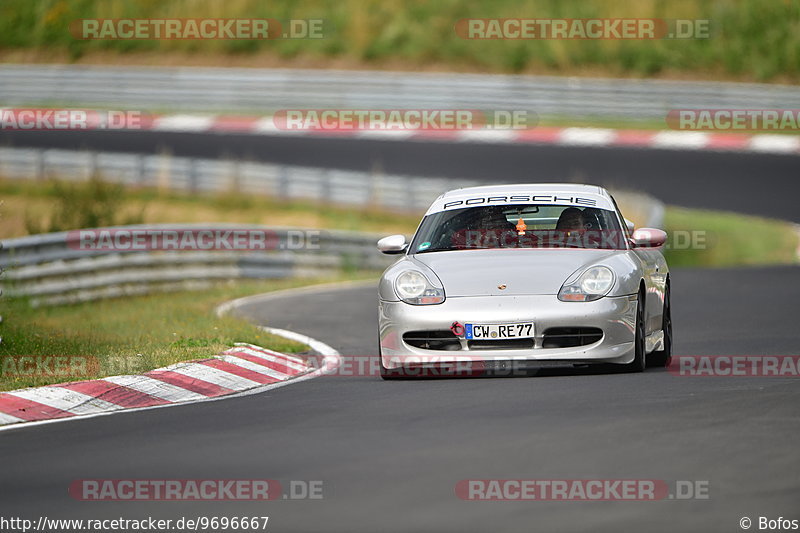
(520, 330)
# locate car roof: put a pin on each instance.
(571, 194)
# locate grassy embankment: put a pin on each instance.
(751, 40)
(140, 333)
(127, 335)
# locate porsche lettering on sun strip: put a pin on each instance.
(522, 198)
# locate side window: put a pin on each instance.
(621, 218)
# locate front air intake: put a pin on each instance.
(570, 337)
(432, 340)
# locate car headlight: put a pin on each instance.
(414, 288)
(592, 285)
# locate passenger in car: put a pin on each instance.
(570, 219)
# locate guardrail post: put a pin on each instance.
(165, 172)
(91, 165)
(370, 186)
(235, 186)
(141, 163)
(39, 164)
(375, 179)
(326, 185)
(283, 182)
(193, 175)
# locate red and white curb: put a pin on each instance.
(241, 370)
(666, 139)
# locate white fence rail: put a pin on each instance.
(52, 269)
(342, 187)
(331, 186)
(265, 90)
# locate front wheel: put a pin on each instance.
(638, 363)
(663, 357)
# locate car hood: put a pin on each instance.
(523, 272)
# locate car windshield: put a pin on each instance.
(519, 226)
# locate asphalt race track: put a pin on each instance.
(390, 453)
(754, 183)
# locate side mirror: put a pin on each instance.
(649, 238)
(393, 244)
(630, 225)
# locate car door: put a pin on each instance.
(653, 269)
(654, 272)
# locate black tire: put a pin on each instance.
(662, 358)
(638, 363)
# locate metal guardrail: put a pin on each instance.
(340, 187)
(266, 90)
(52, 269)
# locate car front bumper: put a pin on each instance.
(615, 316)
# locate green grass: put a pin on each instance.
(728, 239)
(750, 40)
(130, 335)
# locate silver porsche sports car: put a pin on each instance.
(524, 276)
